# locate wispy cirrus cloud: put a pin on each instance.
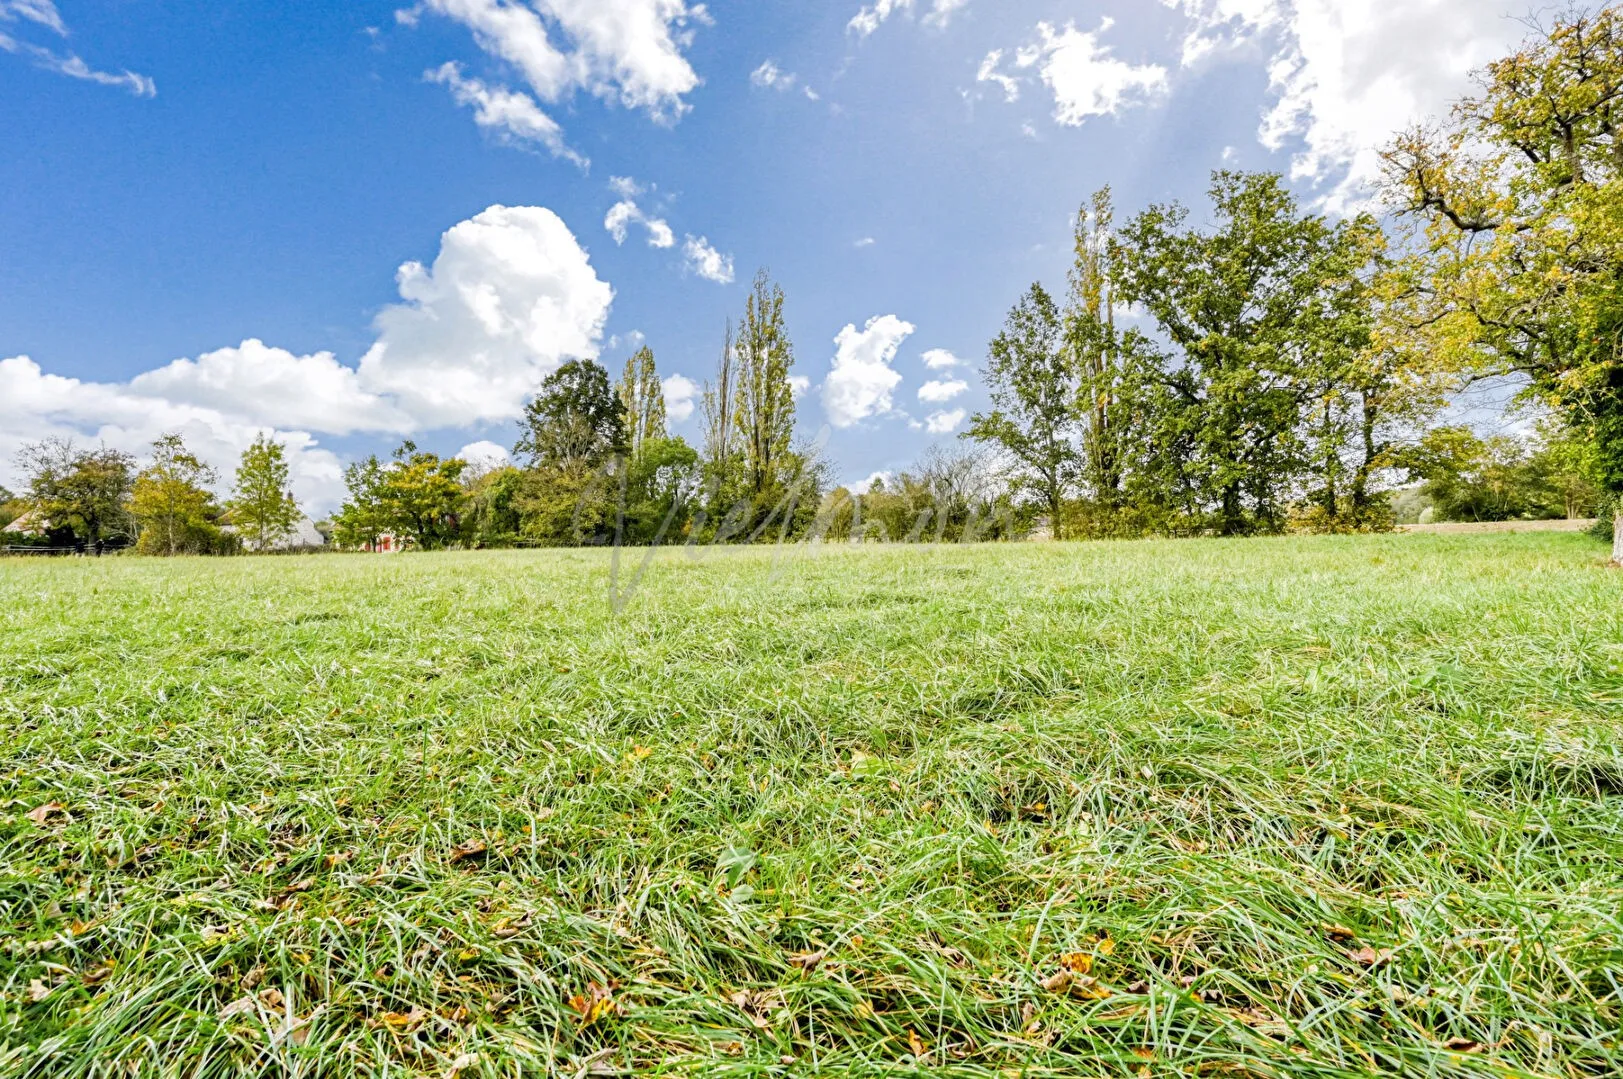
(43, 14)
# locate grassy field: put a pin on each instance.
(1307, 807)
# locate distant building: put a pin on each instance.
(29, 524)
(388, 543)
(305, 535)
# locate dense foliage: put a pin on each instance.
(1515, 207)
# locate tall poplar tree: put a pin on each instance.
(642, 401)
(763, 403)
(1096, 352)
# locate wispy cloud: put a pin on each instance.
(43, 13)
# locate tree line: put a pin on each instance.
(1253, 369)
(1274, 369)
(98, 499)
(596, 462)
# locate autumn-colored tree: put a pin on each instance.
(172, 504)
(1516, 208)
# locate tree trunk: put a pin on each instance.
(1617, 536)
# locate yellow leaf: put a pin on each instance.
(44, 813)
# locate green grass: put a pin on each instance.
(1308, 807)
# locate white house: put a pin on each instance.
(304, 534)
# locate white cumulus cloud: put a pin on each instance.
(1085, 76)
(275, 388)
(511, 296)
(681, 396)
(862, 487)
(939, 391)
(483, 457)
(625, 51)
(769, 76)
(1346, 74)
(707, 262)
(862, 380)
(944, 423)
(622, 215)
(990, 71)
(939, 359)
(35, 405)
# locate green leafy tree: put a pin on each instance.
(173, 505)
(1032, 380)
(86, 491)
(1516, 206)
(1504, 478)
(263, 507)
(575, 422)
(1102, 384)
(1261, 309)
(661, 482)
(642, 401)
(763, 409)
(422, 498)
(492, 517)
(362, 520)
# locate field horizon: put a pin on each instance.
(1309, 806)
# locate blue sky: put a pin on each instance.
(205, 209)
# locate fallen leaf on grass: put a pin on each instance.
(401, 1022)
(1340, 934)
(98, 973)
(272, 997)
(1369, 957)
(462, 1064)
(808, 961)
(473, 848)
(757, 1006)
(42, 815)
(596, 1003)
(507, 930)
(1077, 962)
(289, 895)
(240, 1006)
(38, 991)
(916, 1045)
(333, 861)
(1462, 1045)
(1076, 985)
